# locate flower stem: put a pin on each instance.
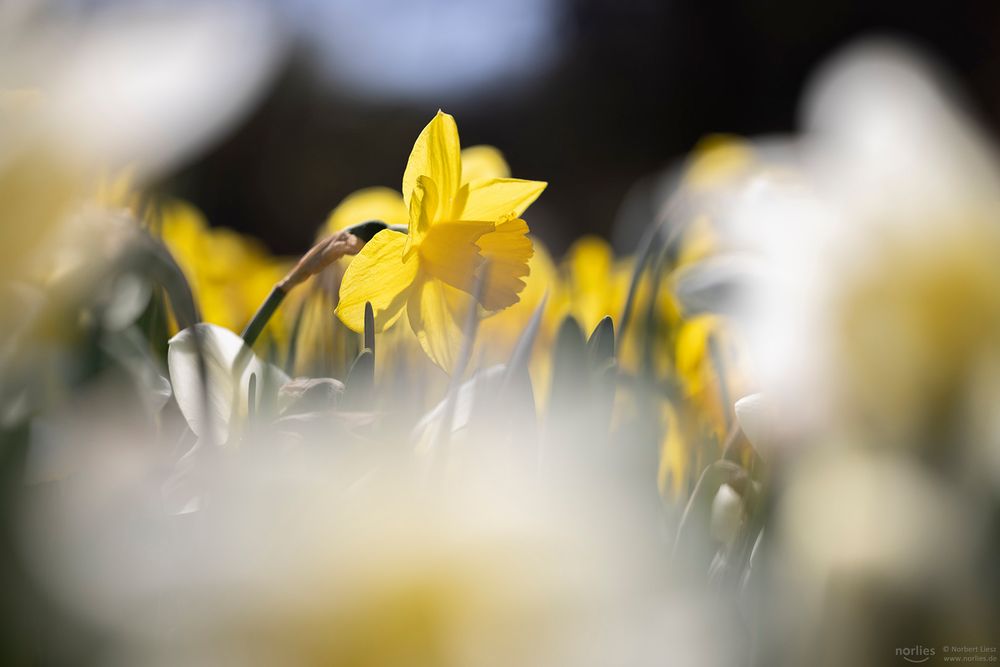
(325, 252)
(263, 315)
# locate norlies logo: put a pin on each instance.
(915, 654)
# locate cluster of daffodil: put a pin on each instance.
(463, 412)
(459, 249)
(752, 440)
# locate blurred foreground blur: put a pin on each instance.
(766, 437)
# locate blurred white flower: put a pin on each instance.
(755, 419)
(87, 94)
(338, 554)
(727, 514)
(876, 334)
(137, 84)
(881, 237)
(212, 404)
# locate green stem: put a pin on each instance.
(263, 315)
(365, 231)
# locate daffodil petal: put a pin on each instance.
(590, 263)
(480, 163)
(693, 351)
(377, 274)
(184, 230)
(449, 252)
(501, 199)
(436, 313)
(437, 155)
(507, 250)
(423, 204)
(754, 416)
(377, 203)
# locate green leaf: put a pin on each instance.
(648, 243)
(461, 364)
(569, 364)
(360, 385)
(517, 366)
(152, 256)
(369, 327)
(601, 345)
(293, 339)
(651, 329)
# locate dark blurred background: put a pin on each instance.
(590, 95)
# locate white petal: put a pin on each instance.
(149, 87)
(718, 283)
(130, 350)
(227, 383)
(753, 415)
(427, 429)
(727, 514)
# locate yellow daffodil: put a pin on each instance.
(321, 343)
(456, 226)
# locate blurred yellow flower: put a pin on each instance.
(455, 226)
(675, 456)
(39, 187)
(592, 289)
(378, 203)
(321, 347)
(711, 369)
(499, 333)
(596, 285)
(716, 160)
(230, 274)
